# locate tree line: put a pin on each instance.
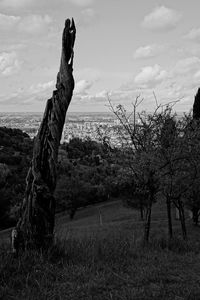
(162, 158)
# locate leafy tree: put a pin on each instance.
(192, 135)
(15, 153)
(4, 199)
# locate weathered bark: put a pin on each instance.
(36, 224)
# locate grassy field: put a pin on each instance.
(94, 259)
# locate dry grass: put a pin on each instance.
(106, 262)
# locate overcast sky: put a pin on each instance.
(123, 48)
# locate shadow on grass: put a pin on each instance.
(114, 265)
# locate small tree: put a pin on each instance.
(139, 141)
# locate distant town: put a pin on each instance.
(95, 126)
(82, 125)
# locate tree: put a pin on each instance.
(139, 141)
(196, 106)
(192, 197)
(36, 224)
(4, 199)
(161, 159)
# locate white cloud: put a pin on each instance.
(7, 47)
(161, 18)
(90, 74)
(197, 75)
(9, 63)
(150, 76)
(41, 87)
(186, 65)
(15, 3)
(147, 51)
(81, 2)
(87, 17)
(7, 22)
(39, 92)
(98, 97)
(81, 87)
(103, 94)
(35, 24)
(194, 35)
(30, 24)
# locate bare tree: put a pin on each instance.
(36, 224)
(159, 156)
(140, 147)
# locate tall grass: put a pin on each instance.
(114, 265)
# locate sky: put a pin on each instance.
(123, 49)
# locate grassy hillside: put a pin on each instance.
(108, 261)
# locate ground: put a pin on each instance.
(103, 258)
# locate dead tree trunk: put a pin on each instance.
(36, 224)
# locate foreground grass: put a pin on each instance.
(113, 265)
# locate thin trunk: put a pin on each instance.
(182, 219)
(141, 212)
(147, 224)
(149, 207)
(169, 216)
(195, 216)
(35, 227)
(100, 218)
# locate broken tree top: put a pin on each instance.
(69, 35)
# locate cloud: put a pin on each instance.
(15, 3)
(9, 63)
(97, 97)
(197, 75)
(33, 6)
(194, 35)
(39, 92)
(161, 18)
(41, 87)
(150, 76)
(88, 16)
(30, 24)
(7, 22)
(34, 24)
(81, 2)
(90, 74)
(12, 47)
(147, 51)
(186, 65)
(81, 87)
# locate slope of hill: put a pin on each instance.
(96, 259)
